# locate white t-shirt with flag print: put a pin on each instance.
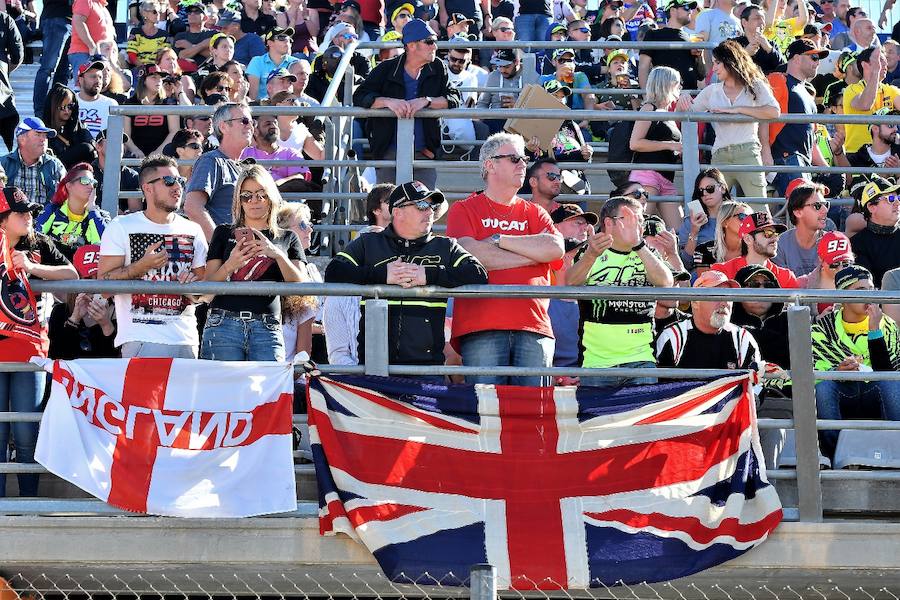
(156, 318)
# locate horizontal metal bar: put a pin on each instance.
(848, 475)
(586, 45)
(7, 468)
(805, 169)
(92, 506)
(781, 474)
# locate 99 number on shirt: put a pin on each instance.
(148, 120)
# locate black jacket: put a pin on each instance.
(415, 326)
(11, 52)
(386, 81)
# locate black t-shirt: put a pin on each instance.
(504, 9)
(148, 131)
(57, 9)
(41, 250)
(259, 269)
(796, 138)
(680, 60)
(263, 24)
(535, 7)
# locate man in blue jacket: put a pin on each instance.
(31, 166)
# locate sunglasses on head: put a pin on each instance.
(170, 180)
(841, 264)
(709, 189)
(422, 205)
(350, 36)
(513, 158)
(819, 205)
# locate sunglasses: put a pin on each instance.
(761, 284)
(223, 88)
(513, 158)
(350, 36)
(457, 61)
(243, 120)
(193, 146)
(422, 205)
(429, 41)
(170, 180)
(70, 106)
(584, 29)
(638, 194)
(840, 265)
(817, 205)
(553, 176)
(260, 195)
(403, 16)
(740, 216)
(86, 180)
(505, 29)
(304, 225)
(890, 198)
(709, 189)
(767, 233)
(280, 38)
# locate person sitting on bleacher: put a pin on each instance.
(146, 40)
(31, 166)
(855, 337)
(70, 219)
(759, 244)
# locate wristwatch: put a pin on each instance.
(495, 239)
(428, 103)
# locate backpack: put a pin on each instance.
(619, 136)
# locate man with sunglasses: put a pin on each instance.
(884, 151)
(404, 85)
(408, 254)
(807, 211)
(877, 247)
(545, 181)
(867, 96)
(193, 43)
(277, 56)
(155, 244)
(759, 245)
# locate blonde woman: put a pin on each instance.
(727, 242)
(300, 315)
(252, 248)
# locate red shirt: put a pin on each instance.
(372, 12)
(786, 278)
(479, 217)
(99, 24)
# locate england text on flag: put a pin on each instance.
(556, 487)
(176, 437)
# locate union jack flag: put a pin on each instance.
(556, 487)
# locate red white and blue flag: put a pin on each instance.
(556, 487)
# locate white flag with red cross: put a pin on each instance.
(173, 437)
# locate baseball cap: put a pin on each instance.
(503, 57)
(414, 191)
(711, 279)
(278, 31)
(13, 199)
(281, 73)
(605, 3)
(560, 52)
(845, 60)
(151, 70)
(807, 47)
(559, 27)
(194, 7)
(833, 247)
(459, 19)
(228, 18)
(816, 28)
(34, 124)
(86, 260)
(758, 221)
(417, 30)
(692, 4)
(564, 212)
(351, 4)
(850, 275)
(877, 187)
(745, 274)
(552, 86)
(403, 7)
(802, 181)
(617, 54)
(218, 36)
(96, 64)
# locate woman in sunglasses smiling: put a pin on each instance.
(253, 248)
(697, 228)
(68, 219)
(72, 144)
(727, 241)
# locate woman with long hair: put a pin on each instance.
(741, 89)
(73, 142)
(658, 141)
(240, 85)
(710, 190)
(252, 248)
(727, 241)
(149, 134)
(300, 315)
(177, 88)
(33, 256)
(69, 219)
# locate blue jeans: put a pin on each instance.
(76, 59)
(20, 392)
(507, 348)
(783, 179)
(227, 337)
(54, 64)
(617, 382)
(531, 28)
(855, 400)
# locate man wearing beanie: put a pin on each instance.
(877, 247)
(855, 337)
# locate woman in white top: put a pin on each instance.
(742, 89)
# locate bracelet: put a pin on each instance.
(639, 246)
(71, 323)
(692, 238)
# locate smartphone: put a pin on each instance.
(243, 234)
(695, 207)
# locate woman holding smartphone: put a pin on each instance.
(253, 248)
(699, 225)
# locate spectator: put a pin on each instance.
(834, 254)
(302, 71)
(253, 20)
(221, 51)
(794, 143)
(247, 45)
(532, 20)
(83, 325)
(517, 243)
(699, 228)
(835, 12)
(343, 35)
(891, 281)
(305, 23)
(72, 143)
(34, 257)
(507, 75)
(459, 75)
(278, 46)
(187, 144)
(11, 53)
(216, 88)
(31, 167)
(155, 244)
(301, 319)
(56, 31)
(861, 35)
(566, 74)
(149, 134)
(128, 178)
(280, 80)
(252, 248)
(855, 337)
(93, 107)
(807, 211)
(684, 61)
(708, 340)
(92, 25)
(413, 81)
(395, 257)
(767, 56)
(266, 135)
(193, 44)
(587, 61)
(568, 144)
(877, 247)
(69, 219)
(718, 24)
(202, 124)
(545, 181)
(867, 96)
(210, 190)
(146, 40)
(177, 89)
(240, 87)
(784, 29)
(377, 210)
(326, 65)
(631, 189)
(294, 133)
(736, 143)
(759, 244)
(766, 321)
(658, 141)
(618, 333)
(884, 149)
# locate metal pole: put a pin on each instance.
(809, 485)
(405, 150)
(529, 69)
(690, 156)
(483, 582)
(349, 76)
(112, 168)
(376, 337)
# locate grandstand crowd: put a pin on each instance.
(222, 217)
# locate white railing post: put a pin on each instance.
(690, 158)
(376, 337)
(405, 150)
(112, 168)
